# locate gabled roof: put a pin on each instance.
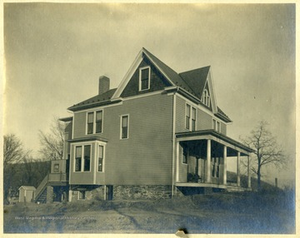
(170, 73)
(222, 115)
(196, 79)
(191, 83)
(98, 100)
(66, 119)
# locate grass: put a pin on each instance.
(267, 212)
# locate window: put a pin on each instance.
(190, 117)
(193, 119)
(78, 158)
(144, 78)
(87, 157)
(90, 123)
(206, 98)
(56, 168)
(124, 127)
(216, 125)
(94, 122)
(100, 159)
(187, 116)
(99, 122)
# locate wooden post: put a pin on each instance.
(225, 165)
(238, 178)
(208, 161)
(178, 156)
(249, 176)
(105, 192)
(70, 194)
(49, 197)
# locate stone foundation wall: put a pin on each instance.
(141, 192)
(128, 192)
(95, 194)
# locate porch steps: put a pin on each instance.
(42, 198)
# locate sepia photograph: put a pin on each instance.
(149, 118)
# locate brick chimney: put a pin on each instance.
(103, 84)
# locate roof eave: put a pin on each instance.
(96, 104)
(222, 117)
(216, 134)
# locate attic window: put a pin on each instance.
(206, 98)
(144, 78)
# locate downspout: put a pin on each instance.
(174, 145)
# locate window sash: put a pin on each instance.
(99, 122)
(100, 159)
(87, 157)
(125, 122)
(193, 119)
(144, 78)
(187, 116)
(78, 156)
(90, 123)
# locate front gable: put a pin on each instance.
(140, 82)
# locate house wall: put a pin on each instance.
(145, 158)
(223, 128)
(204, 120)
(61, 166)
(85, 177)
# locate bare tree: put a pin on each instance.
(266, 150)
(13, 153)
(12, 149)
(53, 143)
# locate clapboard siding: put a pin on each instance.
(146, 156)
(204, 120)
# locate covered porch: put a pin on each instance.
(202, 157)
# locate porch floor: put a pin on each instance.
(202, 185)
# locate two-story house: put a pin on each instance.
(160, 133)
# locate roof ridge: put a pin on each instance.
(186, 86)
(208, 66)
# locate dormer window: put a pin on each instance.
(206, 98)
(144, 78)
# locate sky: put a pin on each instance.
(55, 53)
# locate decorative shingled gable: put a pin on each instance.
(157, 80)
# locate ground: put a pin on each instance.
(248, 212)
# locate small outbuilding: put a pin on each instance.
(26, 193)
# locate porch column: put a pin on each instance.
(178, 156)
(225, 165)
(105, 192)
(208, 160)
(249, 176)
(238, 178)
(70, 194)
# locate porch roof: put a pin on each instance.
(214, 135)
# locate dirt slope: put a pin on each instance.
(216, 213)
